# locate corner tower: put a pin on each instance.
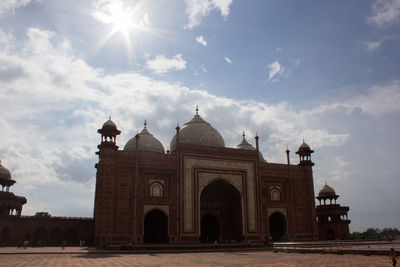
(109, 134)
(333, 222)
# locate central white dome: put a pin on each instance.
(198, 132)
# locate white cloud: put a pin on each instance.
(201, 40)
(372, 46)
(275, 70)
(10, 5)
(203, 68)
(227, 59)
(385, 12)
(161, 64)
(380, 100)
(198, 9)
(339, 172)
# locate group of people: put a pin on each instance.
(25, 244)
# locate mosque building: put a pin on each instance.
(198, 191)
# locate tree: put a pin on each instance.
(42, 214)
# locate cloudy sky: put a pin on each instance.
(325, 71)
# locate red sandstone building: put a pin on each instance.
(199, 191)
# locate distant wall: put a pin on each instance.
(45, 231)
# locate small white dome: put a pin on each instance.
(246, 145)
(147, 142)
(198, 132)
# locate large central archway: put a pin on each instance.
(155, 227)
(220, 212)
(277, 226)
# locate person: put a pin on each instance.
(63, 244)
(393, 256)
(26, 244)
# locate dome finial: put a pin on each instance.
(109, 117)
(303, 140)
(197, 110)
(244, 136)
(145, 124)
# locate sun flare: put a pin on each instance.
(125, 20)
(121, 19)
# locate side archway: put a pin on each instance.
(155, 227)
(277, 226)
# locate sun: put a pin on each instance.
(122, 19)
(130, 21)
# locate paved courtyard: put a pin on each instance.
(245, 258)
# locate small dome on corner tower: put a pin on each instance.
(4, 173)
(326, 191)
(304, 146)
(109, 125)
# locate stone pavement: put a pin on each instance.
(78, 257)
